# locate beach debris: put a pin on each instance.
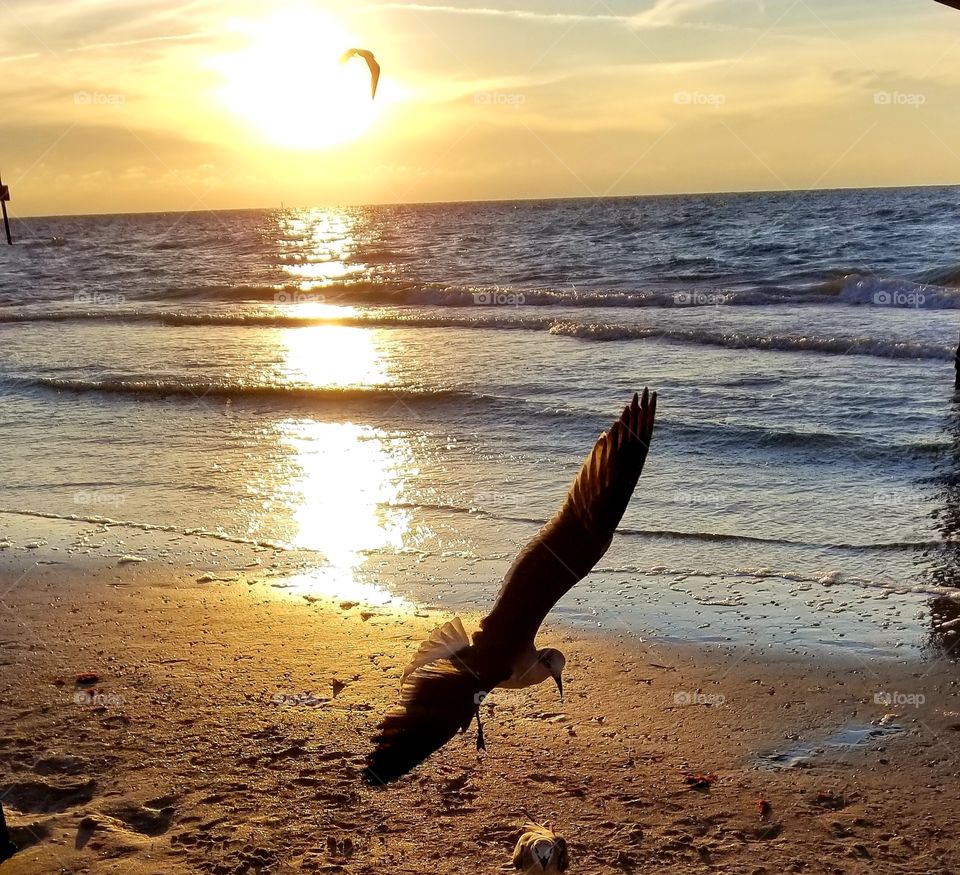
(128, 559)
(699, 781)
(455, 785)
(371, 63)
(452, 674)
(539, 849)
(763, 808)
(339, 847)
(87, 678)
(211, 576)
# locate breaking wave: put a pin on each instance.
(832, 344)
(199, 390)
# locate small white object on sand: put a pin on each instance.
(540, 850)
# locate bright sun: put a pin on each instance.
(289, 83)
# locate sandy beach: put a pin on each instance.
(625, 333)
(227, 723)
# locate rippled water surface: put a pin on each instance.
(406, 392)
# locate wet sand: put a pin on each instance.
(226, 729)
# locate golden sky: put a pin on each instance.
(135, 105)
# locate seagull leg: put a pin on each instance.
(481, 744)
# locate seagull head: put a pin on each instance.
(550, 854)
(543, 852)
(554, 661)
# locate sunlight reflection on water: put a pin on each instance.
(337, 483)
(338, 490)
(340, 584)
(315, 247)
(333, 355)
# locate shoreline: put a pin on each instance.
(213, 742)
(754, 608)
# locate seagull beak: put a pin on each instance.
(559, 681)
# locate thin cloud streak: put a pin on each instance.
(491, 12)
(664, 13)
(9, 59)
(120, 44)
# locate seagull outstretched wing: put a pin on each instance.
(569, 545)
(441, 695)
(437, 701)
(371, 63)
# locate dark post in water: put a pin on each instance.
(4, 197)
(7, 847)
(956, 368)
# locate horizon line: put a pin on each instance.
(461, 202)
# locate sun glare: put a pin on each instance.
(333, 355)
(288, 81)
(340, 487)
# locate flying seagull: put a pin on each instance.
(371, 63)
(443, 687)
(540, 850)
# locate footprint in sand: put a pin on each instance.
(26, 831)
(143, 818)
(109, 837)
(61, 764)
(125, 827)
(40, 796)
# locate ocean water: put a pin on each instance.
(399, 396)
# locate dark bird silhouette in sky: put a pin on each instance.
(443, 687)
(371, 63)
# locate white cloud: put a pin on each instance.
(667, 12)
